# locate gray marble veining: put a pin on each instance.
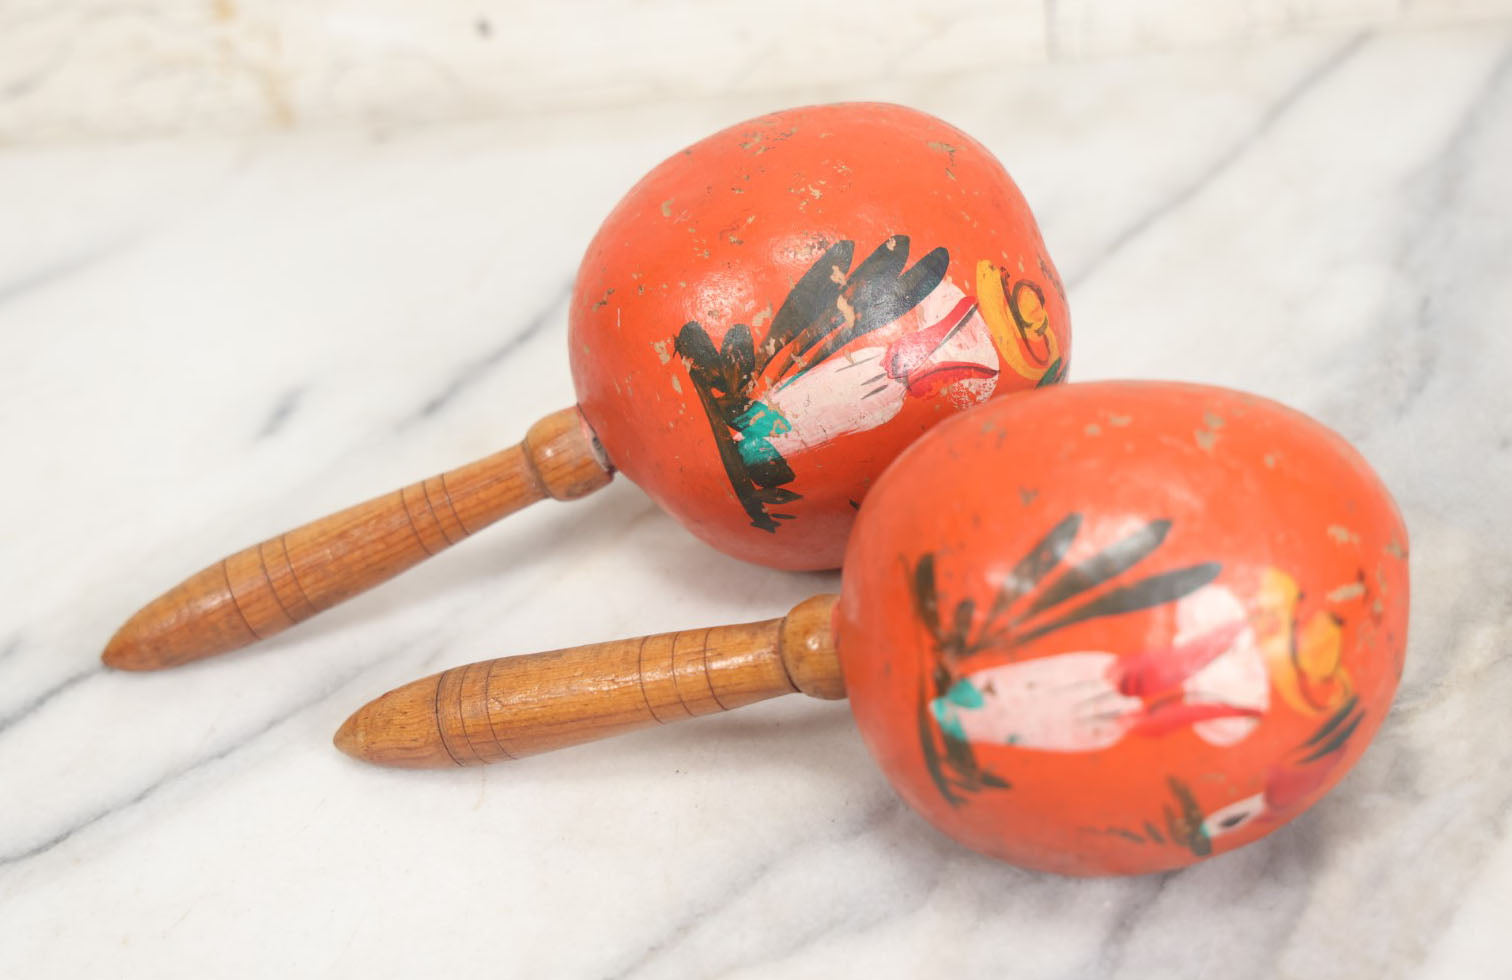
(207, 341)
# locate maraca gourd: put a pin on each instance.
(1109, 628)
(757, 329)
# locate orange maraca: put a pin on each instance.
(758, 328)
(1111, 628)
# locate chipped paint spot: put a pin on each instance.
(676, 384)
(944, 148)
(667, 208)
(847, 311)
(663, 350)
(1027, 497)
(758, 142)
(1207, 436)
(1093, 429)
(1119, 421)
(1346, 592)
(1394, 549)
(760, 319)
(1342, 535)
(605, 300)
(1271, 459)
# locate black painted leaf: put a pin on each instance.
(1334, 720)
(915, 284)
(965, 612)
(770, 472)
(879, 296)
(739, 358)
(1337, 741)
(1187, 827)
(779, 495)
(932, 755)
(1041, 559)
(873, 289)
(1113, 560)
(694, 344)
(1153, 591)
(961, 759)
(811, 298)
(926, 602)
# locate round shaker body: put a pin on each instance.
(1116, 628)
(769, 316)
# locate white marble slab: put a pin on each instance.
(204, 341)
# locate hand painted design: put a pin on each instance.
(1020, 325)
(807, 382)
(1296, 778)
(1039, 703)
(1210, 679)
(1182, 820)
(1288, 785)
(1305, 660)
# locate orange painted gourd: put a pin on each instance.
(771, 315)
(1107, 628)
(756, 330)
(1119, 627)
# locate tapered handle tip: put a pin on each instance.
(399, 729)
(126, 651)
(197, 618)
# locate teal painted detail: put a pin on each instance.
(947, 709)
(965, 694)
(949, 721)
(756, 425)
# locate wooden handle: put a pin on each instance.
(519, 706)
(269, 587)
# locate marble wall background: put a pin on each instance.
(81, 69)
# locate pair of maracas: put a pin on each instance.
(1100, 628)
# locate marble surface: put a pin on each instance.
(81, 69)
(205, 340)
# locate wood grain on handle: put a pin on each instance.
(269, 587)
(519, 706)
